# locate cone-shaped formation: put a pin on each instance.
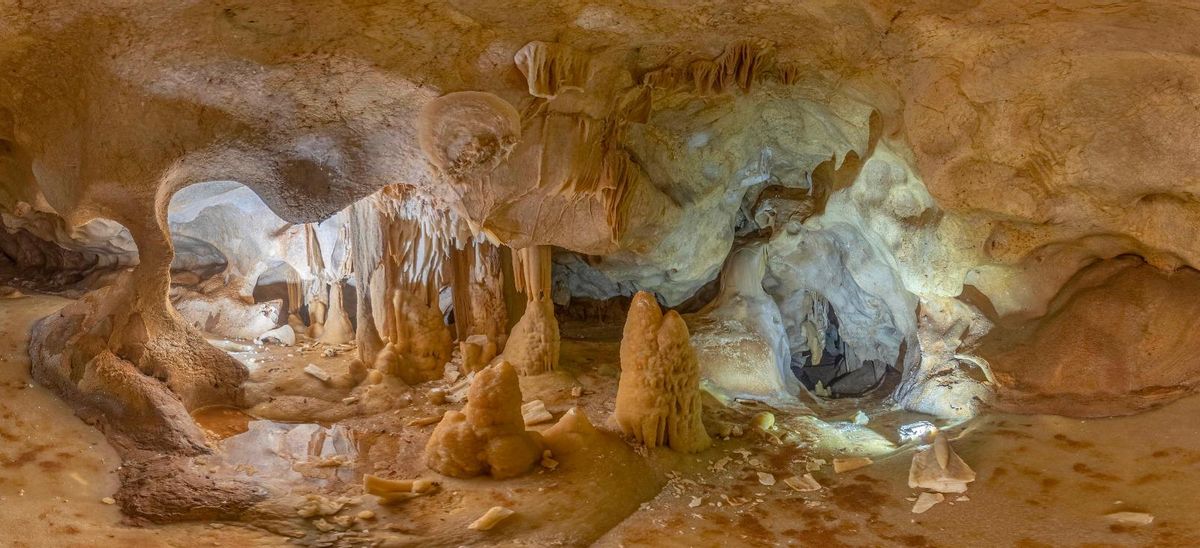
(488, 436)
(337, 328)
(658, 399)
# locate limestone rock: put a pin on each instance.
(283, 335)
(535, 412)
(850, 464)
(491, 518)
(925, 501)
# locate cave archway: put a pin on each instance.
(250, 270)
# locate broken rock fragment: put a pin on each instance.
(803, 483)
(491, 518)
(1130, 518)
(939, 468)
(535, 412)
(318, 373)
(390, 489)
(850, 464)
(283, 335)
(925, 501)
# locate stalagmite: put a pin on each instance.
(658, 397)
(477, 351)
(572, 433)
(533, 344)
(317, 298)
(740, 339)
(337, 328)
(488, 436)
(316, 315)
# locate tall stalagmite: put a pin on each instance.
(658, 398)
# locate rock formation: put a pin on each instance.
(533, 344)
(658, 397)
(1119, 337)
(488, 436)
(742, 347)
(404, 246)
(942, 206)
(480, 314)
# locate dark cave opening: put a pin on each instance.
(829, 372)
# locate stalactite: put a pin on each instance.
(295, 293)
(416, 240)
(742, 64)
(534, 341)
(706, 76)
(620, 174)
(480, 316)
(788, 73)
(317, 298)
(488, 315)
(551, 68)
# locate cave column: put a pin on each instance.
(533, 345)
(401, 288)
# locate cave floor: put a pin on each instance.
(56, 471)
(1042, 480)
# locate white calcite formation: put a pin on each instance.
(739, 337)
(938, 468)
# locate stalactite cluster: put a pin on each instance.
(416, 242)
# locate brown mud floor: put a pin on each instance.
(1042, 480)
